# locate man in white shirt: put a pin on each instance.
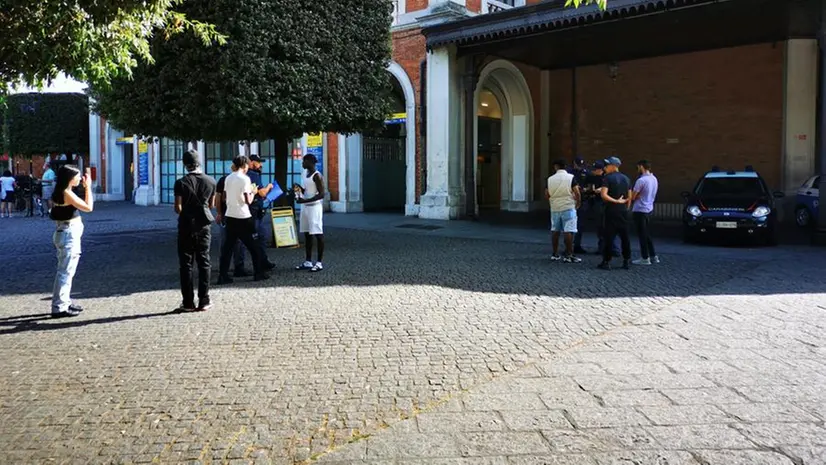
(564, 198)
(238, 193)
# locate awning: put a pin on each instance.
(544, 17)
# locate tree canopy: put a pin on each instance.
(38, 123)
(288, 66)
(89, 40)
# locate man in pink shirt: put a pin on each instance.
(645, 192)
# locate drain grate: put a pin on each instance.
(424, 227)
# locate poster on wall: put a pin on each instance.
(143, 164)
(315, 146)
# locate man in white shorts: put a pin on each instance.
(311, 197)
(563, 195)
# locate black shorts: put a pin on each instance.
(9, 197)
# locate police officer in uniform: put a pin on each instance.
(592, 183)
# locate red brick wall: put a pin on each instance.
(474, 5)
(416, 5)
(684, 112)
(409, 51)
(332, 166)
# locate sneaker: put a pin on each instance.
(76, 308)
(555, 258)
(204, 306)
(241, 273)
(261, 277)
(572, 259)
(317, 267)
(305, 266)
(270, 265)
(185, 308)
(655, 259)
(604, 266)
(224, 280)
(65, 314)
(626, 264)
(642, 261)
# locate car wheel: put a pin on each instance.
(802, 217)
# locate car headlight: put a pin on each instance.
(694, 210)
(760, 212)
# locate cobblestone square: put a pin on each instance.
(412, 347)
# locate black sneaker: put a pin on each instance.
(76, 308)
(626, 265)
(572, 259)
(204, 306)
(604, 266)
(224, 280)
(241, 273)
(65, 314)
(261, 277)
(555, 258)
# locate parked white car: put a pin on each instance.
(808, 200)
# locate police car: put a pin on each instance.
(730, 204)
(808, 198)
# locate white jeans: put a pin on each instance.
(67, 242)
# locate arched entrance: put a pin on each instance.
(384, 163)
(504, 138)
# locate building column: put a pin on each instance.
(144, 171)
(443, 198)
(799, 113)
(349, 175)
(545, 137)
(820, 234)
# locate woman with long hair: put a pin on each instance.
(7, 184)
(67, 235)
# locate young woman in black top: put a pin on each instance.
(68, 234)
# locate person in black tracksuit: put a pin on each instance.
(617, 195)
(194, 199)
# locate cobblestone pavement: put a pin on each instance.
(411, 347)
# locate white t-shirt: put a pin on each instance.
(235, 186)
(7, 183)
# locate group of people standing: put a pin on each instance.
(608, 192)
(241, 214)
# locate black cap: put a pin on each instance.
(599, 164)
(255, 157)
(190, 159)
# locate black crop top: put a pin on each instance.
(63, 212)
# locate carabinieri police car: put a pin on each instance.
(731, 204)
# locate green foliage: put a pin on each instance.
(47, 123)
(577, 3)
(90, 40)
(289, 66)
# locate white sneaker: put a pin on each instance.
(655, 259)
(317, 267)
(642, 261)
(555, 258)
(305, 266)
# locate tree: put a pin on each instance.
(290, 66)
(41, 123)
(89, 40)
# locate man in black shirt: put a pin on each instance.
(616, 194)
(194, 198)
(238, 251)
(593, 185)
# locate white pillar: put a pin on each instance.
(545, 131)
(799, 112)
(353, 176)
(341, 204)
(442, 198)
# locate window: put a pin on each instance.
(172, 167)
(218, 158)
(266, 150)
(731, 187)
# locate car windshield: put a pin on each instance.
(731, 186)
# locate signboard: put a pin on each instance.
(315, 147)
(124, 140)
(396, 118)
(284, 230)
(143, 164)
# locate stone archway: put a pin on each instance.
(503, 79)
(410, 209)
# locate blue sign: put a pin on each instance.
(318, 152)
(143, 167)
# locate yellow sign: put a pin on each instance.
(314, 140)
(283, 227)
(396, 118)
(143, 147)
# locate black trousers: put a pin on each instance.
(616, 224)
(643, 223)
(241, 230)
(193, 247)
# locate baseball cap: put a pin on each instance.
(579, 160)
(613, 161)
(256, 157)
(191, 158)
(599, 164)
